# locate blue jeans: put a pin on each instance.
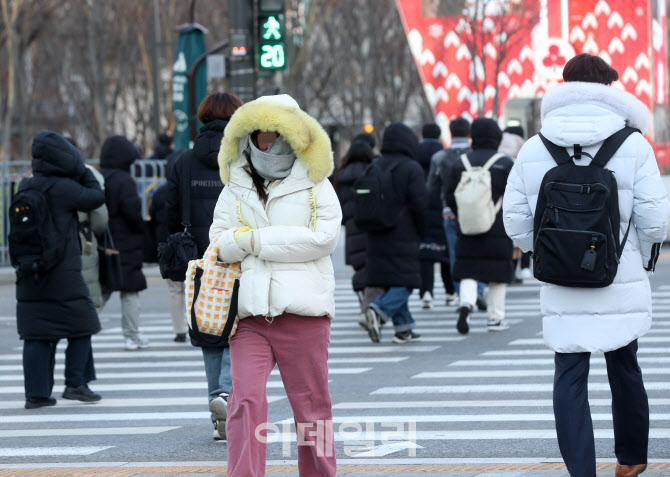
(450, 231)
(217, 369)
(392, 305)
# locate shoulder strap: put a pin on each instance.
(466, 162)
(611, 146)
(560, 154)
(186, 191)
(494, 158)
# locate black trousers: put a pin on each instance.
(39, 359)
(630, 410)
(428, 277)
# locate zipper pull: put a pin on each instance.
(556, 215)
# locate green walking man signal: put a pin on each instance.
(271, 53)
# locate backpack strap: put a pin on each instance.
(466, 162)
(611, 146)
(560, 154)
(494, 158)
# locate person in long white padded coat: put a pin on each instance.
(586, 110)
(280, 217)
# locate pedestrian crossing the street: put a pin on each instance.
(434, 398)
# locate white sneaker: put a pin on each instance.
(219, 409)
(427, 301)
(452, 300)
(131, 345)
(525, 274)
(497, 325)
(142, 342)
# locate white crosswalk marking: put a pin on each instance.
(503, 394)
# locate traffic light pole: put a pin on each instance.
(242, 72)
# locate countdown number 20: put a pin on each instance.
(272, 56)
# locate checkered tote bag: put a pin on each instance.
(211, 295)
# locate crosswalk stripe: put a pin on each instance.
(544, 362)
(547, 351)
(99, 417)
(497, 403)
(94, 431)
(163, 386)
(537, 341)
(180, 374)
(502, 388)
(516, 373)
(130, 402)
(50, 451)
(498, 417)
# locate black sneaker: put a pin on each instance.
(463, 325)
(81, 393)
(35, 402)
(374, 326)
(481, 303)
(180, 338)
(414, 336)
(402, 337)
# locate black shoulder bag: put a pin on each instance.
(173, 256)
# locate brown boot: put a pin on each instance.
(629, 470)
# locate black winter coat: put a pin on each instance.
(158, 213)
(125, 209)
(393, 255)
(58, 305)
(356, 240)
(433, 246)
(486, 257)
(206, 185)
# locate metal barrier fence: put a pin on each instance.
(148, 174)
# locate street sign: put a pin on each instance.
(216, 66)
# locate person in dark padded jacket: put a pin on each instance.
(57, 305)
(127, 227)
(393, 254)
(201, 165)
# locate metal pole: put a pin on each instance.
(192, 107)
(242, 73)
(154, 68)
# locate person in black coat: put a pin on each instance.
(433, 246)
(393, 254)
(201, 165)
(57, 305)
(358, 158)
(486, 257)
(127, 227)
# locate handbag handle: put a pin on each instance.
(109, 241)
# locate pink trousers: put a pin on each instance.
(299, 347)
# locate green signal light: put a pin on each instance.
(272, 56)
(272, 29)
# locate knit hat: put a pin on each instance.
(431, 131)
(485, 134)
(518, 130)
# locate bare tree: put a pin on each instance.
(491, 29)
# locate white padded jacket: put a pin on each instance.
(600, 319)
(290, 269)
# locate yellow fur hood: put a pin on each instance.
(280, 114)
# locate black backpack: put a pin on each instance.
(35, 246)
(376, 206)
(180, 248)
(576, 228)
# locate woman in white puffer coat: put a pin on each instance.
(585, 110)
(280, 217)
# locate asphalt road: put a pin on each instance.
(447, 398)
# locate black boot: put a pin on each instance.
(81, 393)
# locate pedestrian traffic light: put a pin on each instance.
(271, 31)
(239, 44)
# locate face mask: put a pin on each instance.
(274, 164)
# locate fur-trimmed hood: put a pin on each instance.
(588, 113)
(280, 114)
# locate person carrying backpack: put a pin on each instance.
(398, 200)
(585, 314)
(52, 299)
(483, 251)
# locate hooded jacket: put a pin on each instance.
(597, 319)
(57, 305)
(205, 186)
(290, 269)
(393, 255)
(125, 209)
